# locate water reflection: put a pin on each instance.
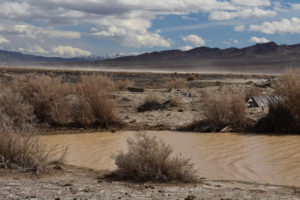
(264, 159)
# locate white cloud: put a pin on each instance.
(186, 48)
(254, 3)
(129, 33)
(284, 26)
(126, 22)
(240, 28)
(36, 49)
(259, 40)
(194, 39)
(30, 31)
(243, 13)
(4, 40)
(69, 51)
(231, 42)
(295, 6)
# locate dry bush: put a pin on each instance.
(94, 106)
(191, 77)
(15, 112)
(149, 159)
(151, 102)
(225, 110)
(173, 102)
(20, 148)
(284, 108)
(176, 83)
(47, 96)
(252, 91)
(278, 120)
(125, 84)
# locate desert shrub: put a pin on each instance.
(124, 84)
(278, 120)
(94, 106)
(174, 102)
(47, 96)
(284, 108)
(15, 112)
(191, 77)
(252, 91)
(151, 102)
(176, 83)
(21, 149)
(149, 159)
(222, 110)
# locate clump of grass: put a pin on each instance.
(150, 159)
(223, 110)
(47, 96)
(15, 112)
(151, 102)
(284, 108)
(191, 77)
(94, 106)
(86, 103)
(125, 84)
(176, 83)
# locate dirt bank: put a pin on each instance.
(76, 183)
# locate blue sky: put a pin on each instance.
(71, 28)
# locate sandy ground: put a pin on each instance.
(190, 108)
(74, 183)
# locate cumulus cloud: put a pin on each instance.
(284, 26)
(240, 28)
(259, 40)
(36, 49)
(254, 3)
(128, 23)
(231, 42)
(69, 51)
(30, 31)
(194, 39)
(243, 13)
(4, 40)
(186, 48)
(295, 6)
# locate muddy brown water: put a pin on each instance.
(254, 158)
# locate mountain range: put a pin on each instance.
(267, 57)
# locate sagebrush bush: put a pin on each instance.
(87, 103)
(45, 94)
(125, 84)
(284, 107)
(222, 110)
(21, 149)
(150, 159)
(15, 112)
(95, 106)
(151, 102)
(176, 83)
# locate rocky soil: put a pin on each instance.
(75, 183)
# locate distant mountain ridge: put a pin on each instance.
(257, 58)
(11, 57)
(267, 57)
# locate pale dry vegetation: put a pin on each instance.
(284, 107)
(125, 84)
(151, 102)
(225, 109)
(150, 159)
(19, 147)
(86, 103)
(176, 83)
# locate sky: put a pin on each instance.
(69, 28)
